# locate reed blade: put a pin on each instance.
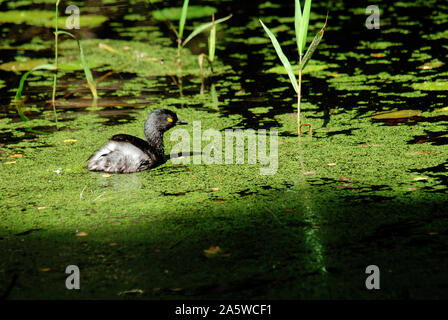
(18, 96)
(204, 27)
(304, 25)
(313, 46)
(87, 72)
(283, 58)
(297, 21)
(183, 18)
(212, 43)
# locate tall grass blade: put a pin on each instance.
(297, 21)
(283, 58)
(313, 46)
(212, 42)
(87, 72)
(204, 27)
(18, 96)
(183, 18)
(304, 25)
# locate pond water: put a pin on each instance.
(369, 186)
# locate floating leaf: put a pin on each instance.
(420, 179)
(400, 114)
(22, 65)
(212, 251)
(431, 65)
(47, 19)
(132, 292)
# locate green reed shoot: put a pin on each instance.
(54, 67)
(301, 20)
(204, 27)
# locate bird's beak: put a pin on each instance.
(181, 122)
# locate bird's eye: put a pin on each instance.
(170, 119)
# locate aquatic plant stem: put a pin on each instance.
(55, 77)
(298, 99)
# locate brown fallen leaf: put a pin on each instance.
(212, 251)
(344, 179)
(289, 210)
(81, 234)
(420, 179)
(16, 155)
(157, 250)
(10, 162)
(132, 292)
(345, 185)
(106, 175)
(315, 227)
(433, 233)
(308, 173)
(45, 269)
(214, 189)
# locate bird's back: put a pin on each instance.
(123, 154)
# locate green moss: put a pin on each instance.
(175, 12)
(47, 19)
(431, 86)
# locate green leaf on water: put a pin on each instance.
(283, 58)
(400, 114)
(431, 86)
(22, 65)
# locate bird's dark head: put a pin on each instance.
(162, 120)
